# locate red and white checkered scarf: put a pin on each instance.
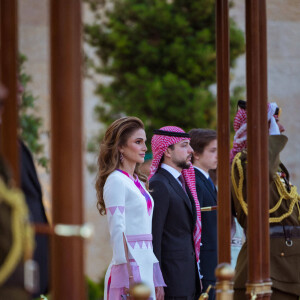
(240, 128)
(159, 145)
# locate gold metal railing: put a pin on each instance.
(224, 285)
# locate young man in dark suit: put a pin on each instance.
(204, 143)
(12, 205)
(176, 218)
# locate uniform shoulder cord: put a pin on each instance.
(291, 195)
(22, 232)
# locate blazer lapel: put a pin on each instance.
(207, 184)
(178, 189)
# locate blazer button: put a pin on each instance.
(282, 254)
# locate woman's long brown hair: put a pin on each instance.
(117, 135)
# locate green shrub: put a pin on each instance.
(30, 123)
(95, 289)
(160, 56)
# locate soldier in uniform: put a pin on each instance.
(284, 213)
(16, 235)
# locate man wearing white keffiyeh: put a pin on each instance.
(176, 225)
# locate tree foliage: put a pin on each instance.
(161, 58)
(30, 123)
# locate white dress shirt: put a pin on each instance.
(202, 171)
(172, 171)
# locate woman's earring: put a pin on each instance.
(121, 157)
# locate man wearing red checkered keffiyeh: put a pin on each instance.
(176, 218)
(283, 213)
(240, 126)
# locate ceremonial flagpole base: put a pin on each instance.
(224, 285)
(140, 291)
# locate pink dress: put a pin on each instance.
(129, 210)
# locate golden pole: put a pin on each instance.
(224, 285)
(140, 291)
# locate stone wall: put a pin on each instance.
(283, 30)
(284, 88)
(35, 44)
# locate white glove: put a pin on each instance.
(273, 129)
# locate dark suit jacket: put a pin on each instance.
(174, 219)
(207, 196)
(31, 187)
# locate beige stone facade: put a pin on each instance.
(283, 29)
(284, 88)
(34, 42)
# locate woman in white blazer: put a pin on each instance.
(123, 196)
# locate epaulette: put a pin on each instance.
(22, 233)
(285, 195)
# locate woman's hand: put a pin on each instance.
(131, 284)
(126, 291)
(159, 293)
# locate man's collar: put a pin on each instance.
(202, 171)
(171, 170)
